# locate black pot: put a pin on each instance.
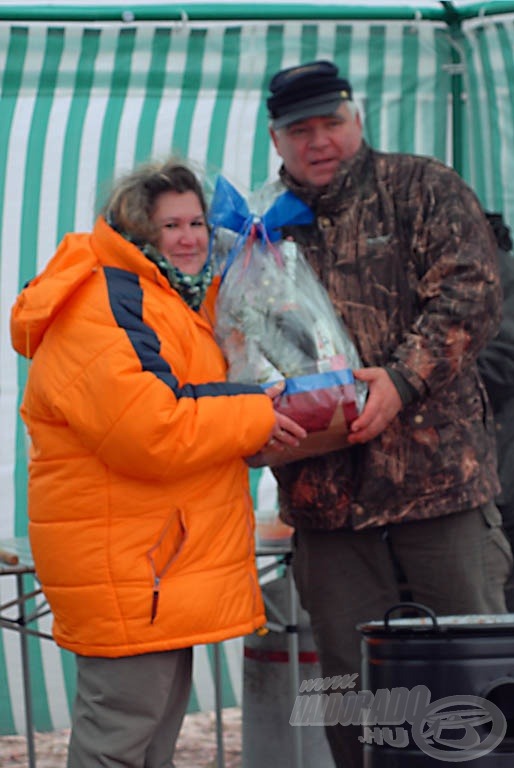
(441, 689)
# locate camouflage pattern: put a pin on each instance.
(406, 254)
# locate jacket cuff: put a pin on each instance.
(407, 392)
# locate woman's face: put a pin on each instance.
(183, 237)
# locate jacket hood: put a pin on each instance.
(43, 297)
(78, 256)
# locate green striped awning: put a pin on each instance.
(82, 101)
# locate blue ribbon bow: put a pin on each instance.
(230, 210)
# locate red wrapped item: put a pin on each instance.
(324, 405)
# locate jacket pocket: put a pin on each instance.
(165, 552)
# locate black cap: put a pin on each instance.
(307, 90)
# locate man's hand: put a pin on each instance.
(381, 407)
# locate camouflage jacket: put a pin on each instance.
(406, 254)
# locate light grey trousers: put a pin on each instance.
(457, 564)
(128, 711)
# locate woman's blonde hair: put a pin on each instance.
(131, 203)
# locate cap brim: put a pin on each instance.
(304, 111)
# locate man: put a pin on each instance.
(409, 261)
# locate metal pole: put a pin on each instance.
(294, 660)
(219, 706)
(27, 692)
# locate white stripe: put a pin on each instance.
(266, 500)
(5, 34)
(50, 179)
(91, 134)
(89, 147)
(54, 677)
(206, 99)
(238, 148)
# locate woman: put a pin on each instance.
(140, 515)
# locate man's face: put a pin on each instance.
(312, 149)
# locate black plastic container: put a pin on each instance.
(467, 658)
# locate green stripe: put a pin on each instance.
(228, 697)
(69, 671)
(507, 47)
(153, 94)
(409, 89)
(309, 42)
(460, 127)
(191, 82)
(255, 478)
(193, 704)
(343, 47)
(226, 88)
(493, 147)
(11, 82)
(441, 90)
(6, 715)
(261, 142)
(119, 85)
(375, 84)
(472, 126)
(72, 139)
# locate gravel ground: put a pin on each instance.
(196, 747)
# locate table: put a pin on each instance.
(16, 560)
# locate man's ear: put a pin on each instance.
(273, 135)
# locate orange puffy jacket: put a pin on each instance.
(141, 522)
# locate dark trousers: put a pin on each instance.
(456, 564)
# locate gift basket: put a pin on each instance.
(276, 322)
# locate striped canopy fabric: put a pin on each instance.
(83, 101)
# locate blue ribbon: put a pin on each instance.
(229, 209)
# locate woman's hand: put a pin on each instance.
(285, 431)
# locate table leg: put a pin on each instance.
(294, 662)
(219, 705)
(27, 691)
